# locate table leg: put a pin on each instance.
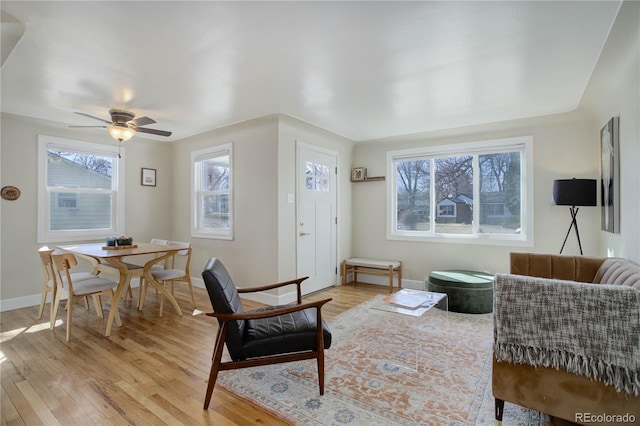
(122, 285)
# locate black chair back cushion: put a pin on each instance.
(225, 299)
(293, 332)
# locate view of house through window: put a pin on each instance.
(79, 190)
(477, 190)
(212, 192)
(79, 185)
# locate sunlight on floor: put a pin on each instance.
(8, 335)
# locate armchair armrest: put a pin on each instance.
(297, 282)
(586, 329)
(267, 314)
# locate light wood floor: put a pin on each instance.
(150, 371)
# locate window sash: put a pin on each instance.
(202, 223)
(49, 196)
(477, 232)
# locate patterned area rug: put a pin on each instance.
(386, 368)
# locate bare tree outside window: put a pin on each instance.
(215, 197)
(500, 192)
(96, 163)
(413, 194)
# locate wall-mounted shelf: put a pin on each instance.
(369, 179)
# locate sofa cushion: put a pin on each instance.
(555, 266)
(618, 272)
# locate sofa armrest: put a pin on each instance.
(586, 329)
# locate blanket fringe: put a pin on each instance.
(621, 378)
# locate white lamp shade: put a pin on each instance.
(121, 132)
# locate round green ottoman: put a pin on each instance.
(468, 291)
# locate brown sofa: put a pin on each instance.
(564, 346)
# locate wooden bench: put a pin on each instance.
(372, 267)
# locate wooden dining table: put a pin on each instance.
(113, 256)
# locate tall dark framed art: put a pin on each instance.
(610, 177)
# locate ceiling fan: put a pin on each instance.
(124, 125)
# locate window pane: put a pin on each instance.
(215, 211)
(80, 211)
(500, 193)
(413, 191)
(78, 170)
(317, 177)
(454, 194)
(215, 173)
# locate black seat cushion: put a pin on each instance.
(293, 332)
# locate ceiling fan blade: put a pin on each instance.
(104, 127)
(142, 121)
(95, 118)
(152, 131)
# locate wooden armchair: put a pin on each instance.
(263, 336)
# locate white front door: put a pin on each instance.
(316, 227)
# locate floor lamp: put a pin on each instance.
(573, 193)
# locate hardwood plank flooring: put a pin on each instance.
(150, 371)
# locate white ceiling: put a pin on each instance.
(364, 70)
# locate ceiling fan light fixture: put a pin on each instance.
(120, 132)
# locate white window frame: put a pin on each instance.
(44, 233)
(521, 143)
(197, 231)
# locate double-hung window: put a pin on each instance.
(474, 192)
(212, 195)
(80, 190)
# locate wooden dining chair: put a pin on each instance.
(49, 279)
(68, 289)
(140, 270)
(176, 270)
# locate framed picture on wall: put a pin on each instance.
(610, 177)
(358, 173)
(148, 177)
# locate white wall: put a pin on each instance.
(291, 131)
(614, 91)
(563, 148)
(147, 210)
(263, 250)
(251, 257)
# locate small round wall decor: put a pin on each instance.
(10, 193)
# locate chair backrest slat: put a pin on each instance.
(63, 263)
(186, 252)
(47, 265)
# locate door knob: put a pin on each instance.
(302, 234)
